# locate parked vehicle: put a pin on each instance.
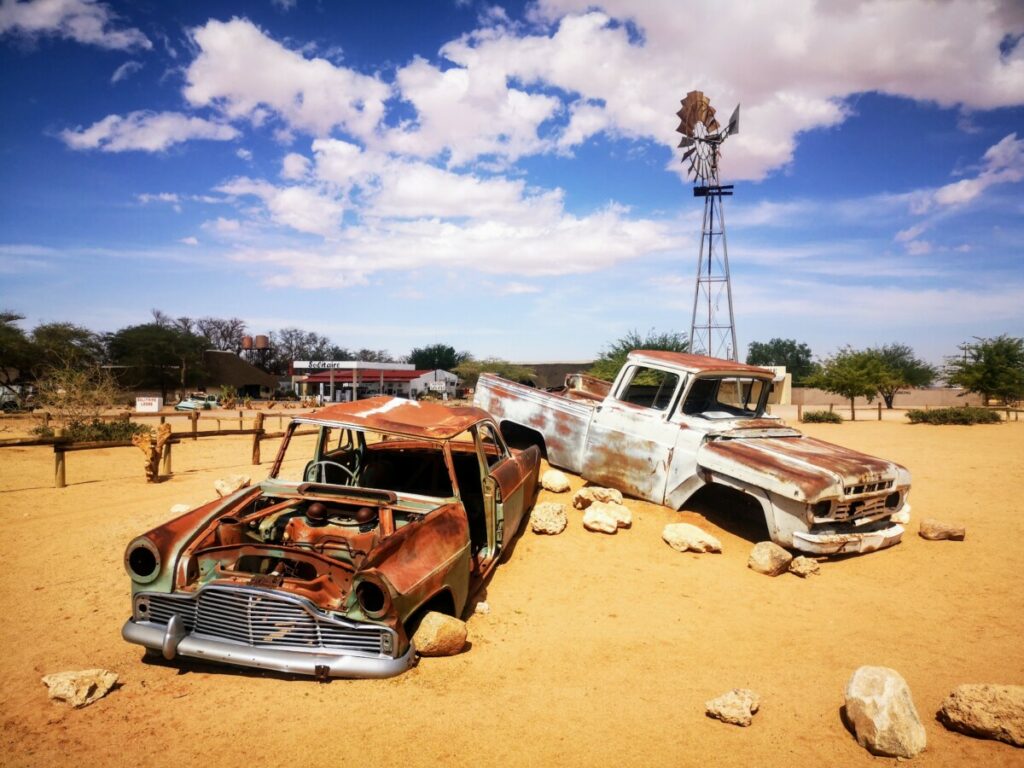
(198, 401)
(673, 423)
(392, 509)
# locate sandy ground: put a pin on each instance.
(598, 650)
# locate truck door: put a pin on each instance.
(630, 442)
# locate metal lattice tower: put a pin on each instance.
(712, 331)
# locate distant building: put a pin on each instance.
(226, 369)
(337, 380)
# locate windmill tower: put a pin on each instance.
(712, 332)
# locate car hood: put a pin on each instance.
(798, 467)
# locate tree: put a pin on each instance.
(788, 352)
(992, 368)
(613, 356)
(469, 371)
(374, 356)
(290, 344)
(900, 370)
(437, 356)
(17, 353)
(158, 355)
(76, 394)
(65, 344)
(224, 334)
(851, 373)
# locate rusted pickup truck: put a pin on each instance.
(673, 423)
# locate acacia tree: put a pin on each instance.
(850, 373)
(992, 368)
(17, 353)
(437, 356)
(900, 370)
(469, 371)
(159, 355)
(613, 356)
(65, 344)
(795, 355)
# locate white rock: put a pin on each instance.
(684, 537)
(986, 711)
(79, 689)
(769, 558)
(229, 484)
(440, 635)
(180, 509)
(804, 567)
(881, 713)
(599, 521)
(586, 496)
(483, 608)
(737, 706)
(549, 518)
(554, 481)
(936, 530)
(903, 516)
(618, 512)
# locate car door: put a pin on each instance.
(631, 440)
(506, 483)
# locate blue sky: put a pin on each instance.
(503, 178)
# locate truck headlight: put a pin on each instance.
(373, 598)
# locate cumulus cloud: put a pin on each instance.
(145, 131)
(242, 72)
(84, 21)
(294, 166)
(302, 208)
(189, 240)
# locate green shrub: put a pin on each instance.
(958, 415)
(821, 417)
(96, 431)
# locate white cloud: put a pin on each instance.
(84, 21)
(145, 131)
(243, 154)
(302, 208)
(284, 5)
(243, 73)
(125, 71)
(189, 240)
(223, 226)
(516, 288)
(294, 166)
(159, 197)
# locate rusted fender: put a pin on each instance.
(802, 468)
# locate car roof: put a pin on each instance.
(395, 414)
(697, 363)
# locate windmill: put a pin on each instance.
(710, 332)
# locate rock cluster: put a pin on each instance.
(804, 567)
(986, 711)
(549, 517)
(769, 558)
(684, 537)
(554, 481)
(584, 497)
(936, 530)
(737, 706)
(79, 689)
(440, 635)
(597, 520)
(881, 713)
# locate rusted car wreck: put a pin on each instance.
(671, 424)
(392, 508)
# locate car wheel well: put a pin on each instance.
(518, 436)
(441, 602)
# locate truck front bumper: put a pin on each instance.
(836, 542)
(172, 640)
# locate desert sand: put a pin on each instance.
(597, 650)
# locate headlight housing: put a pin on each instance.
(372, 596)
(142, 560)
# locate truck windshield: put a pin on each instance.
(725, 397)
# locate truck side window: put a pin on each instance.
(650, 388)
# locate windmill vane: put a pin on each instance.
(703, 135)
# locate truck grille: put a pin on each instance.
(263, 620)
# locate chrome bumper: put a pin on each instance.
(172, 641)
(834, 543)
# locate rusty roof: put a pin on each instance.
(698, 363)
(405, 417)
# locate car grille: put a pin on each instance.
(846, 510)
(265, 620)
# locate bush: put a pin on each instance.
(821, 417)
(97, 431)
(962, 415)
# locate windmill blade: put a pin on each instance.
(734, 122)
(688, 154)
(686, 142)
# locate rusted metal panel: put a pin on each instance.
(401, 416)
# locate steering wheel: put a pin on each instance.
(311, 471)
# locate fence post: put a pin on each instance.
(240, 424)
(879, 410)
(46, 418)
(194, 417)
(830, 407)
(256, 437)
(166, 468)
(799, 412)
(163, 419)
(58, 469)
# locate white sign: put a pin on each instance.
(437, 386)
(148, 404)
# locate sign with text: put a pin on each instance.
(148, 404)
